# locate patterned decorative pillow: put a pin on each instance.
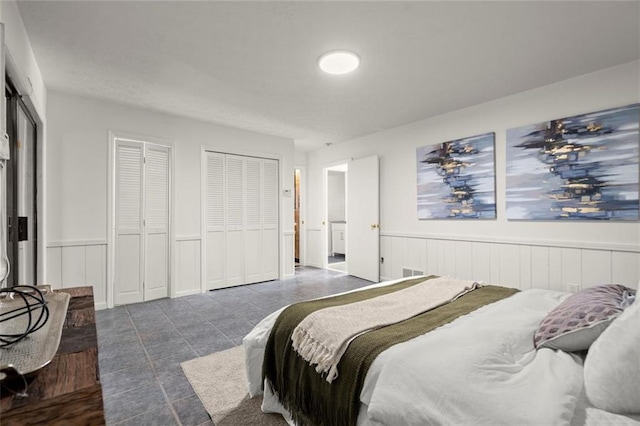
(578, 321)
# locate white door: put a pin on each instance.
(235, 257)
(142, 199)
(156, 222)
(253, 220)
(363, 218)
(129, 233)
(241, 220)
(270, 246)
(215, 220)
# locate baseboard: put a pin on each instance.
(188, 292)
(101, 305)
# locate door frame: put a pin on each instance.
(325, 206)
(203, 205)
(16, 101)
(302, 231)
(111, 188)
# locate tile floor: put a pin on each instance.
(141, 346)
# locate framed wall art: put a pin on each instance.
(583, 167)
(456, 179)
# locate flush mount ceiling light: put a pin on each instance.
(339, 62)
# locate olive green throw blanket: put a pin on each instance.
(309, 398)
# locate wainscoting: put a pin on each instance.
(188, 269)
(512, 264)
(314, 247)
(289, 266)
(79, 263)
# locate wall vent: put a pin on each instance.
(406, 272)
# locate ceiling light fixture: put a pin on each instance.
(339, 62)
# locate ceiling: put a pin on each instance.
(253, 64)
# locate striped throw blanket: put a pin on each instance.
(323, 336)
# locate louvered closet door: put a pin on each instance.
(241, 220)
(215, 220)
(129, 227)
(270, 246)
(253, 220)
(235, 247)
(156, 223)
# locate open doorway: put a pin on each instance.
(336, 214)
(296, 217)
(299, 229)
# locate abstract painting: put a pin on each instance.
(456, 179)
(583, 167)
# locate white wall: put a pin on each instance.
(24, 67)
(614, 246)
(19, 47)
(78, 134)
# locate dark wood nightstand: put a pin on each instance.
(68, 390)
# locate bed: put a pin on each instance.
(481, 368)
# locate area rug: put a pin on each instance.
(220, 381)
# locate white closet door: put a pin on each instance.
(242, 242)
(128, 221)
(156, 223)
(253, 220)
(215, 220)
(234, 262)
(270, 246)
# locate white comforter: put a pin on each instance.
(480, 369)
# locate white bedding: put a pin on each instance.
(480, 369)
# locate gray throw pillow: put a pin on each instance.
(578, 321)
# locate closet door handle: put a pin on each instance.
(23, 228)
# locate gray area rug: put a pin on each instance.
(220, 381)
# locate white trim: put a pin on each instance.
(187, 293)
(101, 305)
(76, 243)
(203, 219)
(245, 153)
(288, 233)
(111, 176)
(188, 238)
(520, 242)
(302, 237)
(144, 139)
(335, 163)
(140, 138)
(325, 205)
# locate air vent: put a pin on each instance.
(406, 272)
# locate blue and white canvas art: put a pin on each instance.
(456, 179)
(582, 167)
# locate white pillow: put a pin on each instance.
(612, 367)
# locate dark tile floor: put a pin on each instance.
(142, 345)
